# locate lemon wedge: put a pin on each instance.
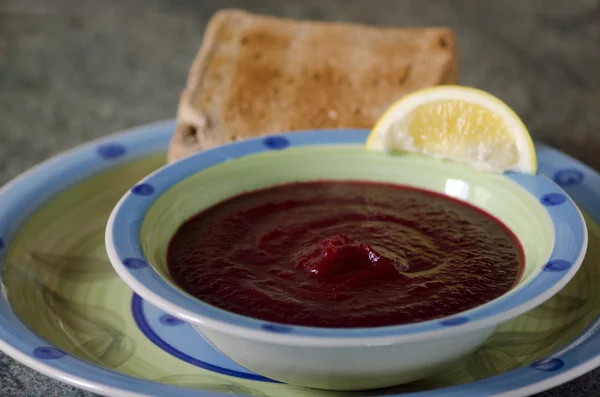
(457, 123)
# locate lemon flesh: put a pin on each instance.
(457, 123)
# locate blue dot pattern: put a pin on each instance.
(548, 365)
(452, 322)
(48, 353)
(280, 329)
(142, 189)
(134, 263)
(553, 199)
(568, 177)
(557, 265)
(170, 321)
(276, 142)
(110, 151)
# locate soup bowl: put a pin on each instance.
(543, 218)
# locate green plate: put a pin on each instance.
(61, 284)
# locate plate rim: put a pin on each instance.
(162, 131)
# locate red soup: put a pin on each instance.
(344, 254)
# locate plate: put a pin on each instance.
(65, 313)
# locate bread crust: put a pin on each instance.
(257, 75)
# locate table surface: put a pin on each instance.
(73, 70)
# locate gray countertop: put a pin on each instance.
(73, 70)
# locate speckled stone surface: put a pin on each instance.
(73, 70)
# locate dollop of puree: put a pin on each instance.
(344, 254)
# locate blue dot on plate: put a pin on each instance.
(454, 321)
(134, 263)
(557, 265)
(548, 365)
(143, 189)
(276, 142)
(111, 151)
(552, 199)
(280, 329)
(48, 353)
(568, 177)
(170, 321)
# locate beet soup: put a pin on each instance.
(344, 254)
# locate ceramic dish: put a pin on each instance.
(65, 312)
(548, 224)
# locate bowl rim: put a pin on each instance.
(122, 240)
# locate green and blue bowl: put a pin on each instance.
(546, 221)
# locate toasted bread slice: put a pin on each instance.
(258, 75)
